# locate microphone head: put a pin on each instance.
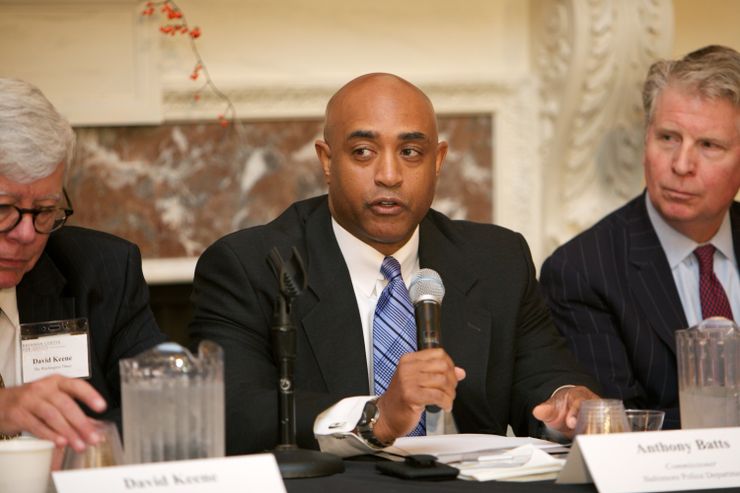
(426, 285)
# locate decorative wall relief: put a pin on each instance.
(592, 57)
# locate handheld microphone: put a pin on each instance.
(426, 292)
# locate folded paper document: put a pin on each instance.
(525, 462)
(487, 457)
(464, 446)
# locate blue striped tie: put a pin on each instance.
(394, 330)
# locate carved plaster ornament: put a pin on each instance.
(592, 57)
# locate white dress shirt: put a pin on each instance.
(363, 262)
(679, 250)
(10, 334)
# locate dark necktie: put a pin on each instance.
(394, 331)
(714, 302)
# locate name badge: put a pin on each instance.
(694, 459)
(257, 472)
(58, 347)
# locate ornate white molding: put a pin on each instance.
(592, 57)
(280, 100)
(517, 175)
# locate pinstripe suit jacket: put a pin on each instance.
(612, 294)
(85, 273)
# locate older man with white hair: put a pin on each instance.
(48, 273)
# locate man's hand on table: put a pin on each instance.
(423, 377)
(47, 409)
(560, 411)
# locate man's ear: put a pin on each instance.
(323, 151)
(440, 158)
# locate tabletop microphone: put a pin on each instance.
(426, 292)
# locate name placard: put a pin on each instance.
(656, 461)
(257, 472)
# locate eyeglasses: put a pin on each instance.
(45, 219)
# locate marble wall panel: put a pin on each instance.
(175, 188)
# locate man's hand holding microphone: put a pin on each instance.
(425, 379)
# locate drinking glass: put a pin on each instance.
(601, 416)
(645, 419)
(108, 452)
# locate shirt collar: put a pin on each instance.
(364, 261)
(9, 305)
(677, 246)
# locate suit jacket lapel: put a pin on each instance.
(332, 322)
(650, 276)
(41, 294)
(466, 330)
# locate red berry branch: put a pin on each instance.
(176, 23)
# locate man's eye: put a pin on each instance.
(361, 152)
(410, 152)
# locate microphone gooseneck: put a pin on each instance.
(293, 462)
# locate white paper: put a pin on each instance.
(239, 473)
(462, 446)
(656, 461)
(537, 462)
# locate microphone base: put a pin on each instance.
(301, 463)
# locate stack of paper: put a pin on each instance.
(525, 463)
(487, 457)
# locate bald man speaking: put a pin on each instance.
(357, 365)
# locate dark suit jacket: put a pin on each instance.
(85, 273)
(494, 324)
(612, 295)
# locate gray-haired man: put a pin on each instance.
(669, 258)
(52, 273)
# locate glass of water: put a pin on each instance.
(645, 419)
(108, 452)
(601, 416)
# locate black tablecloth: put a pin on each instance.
(361, 477)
